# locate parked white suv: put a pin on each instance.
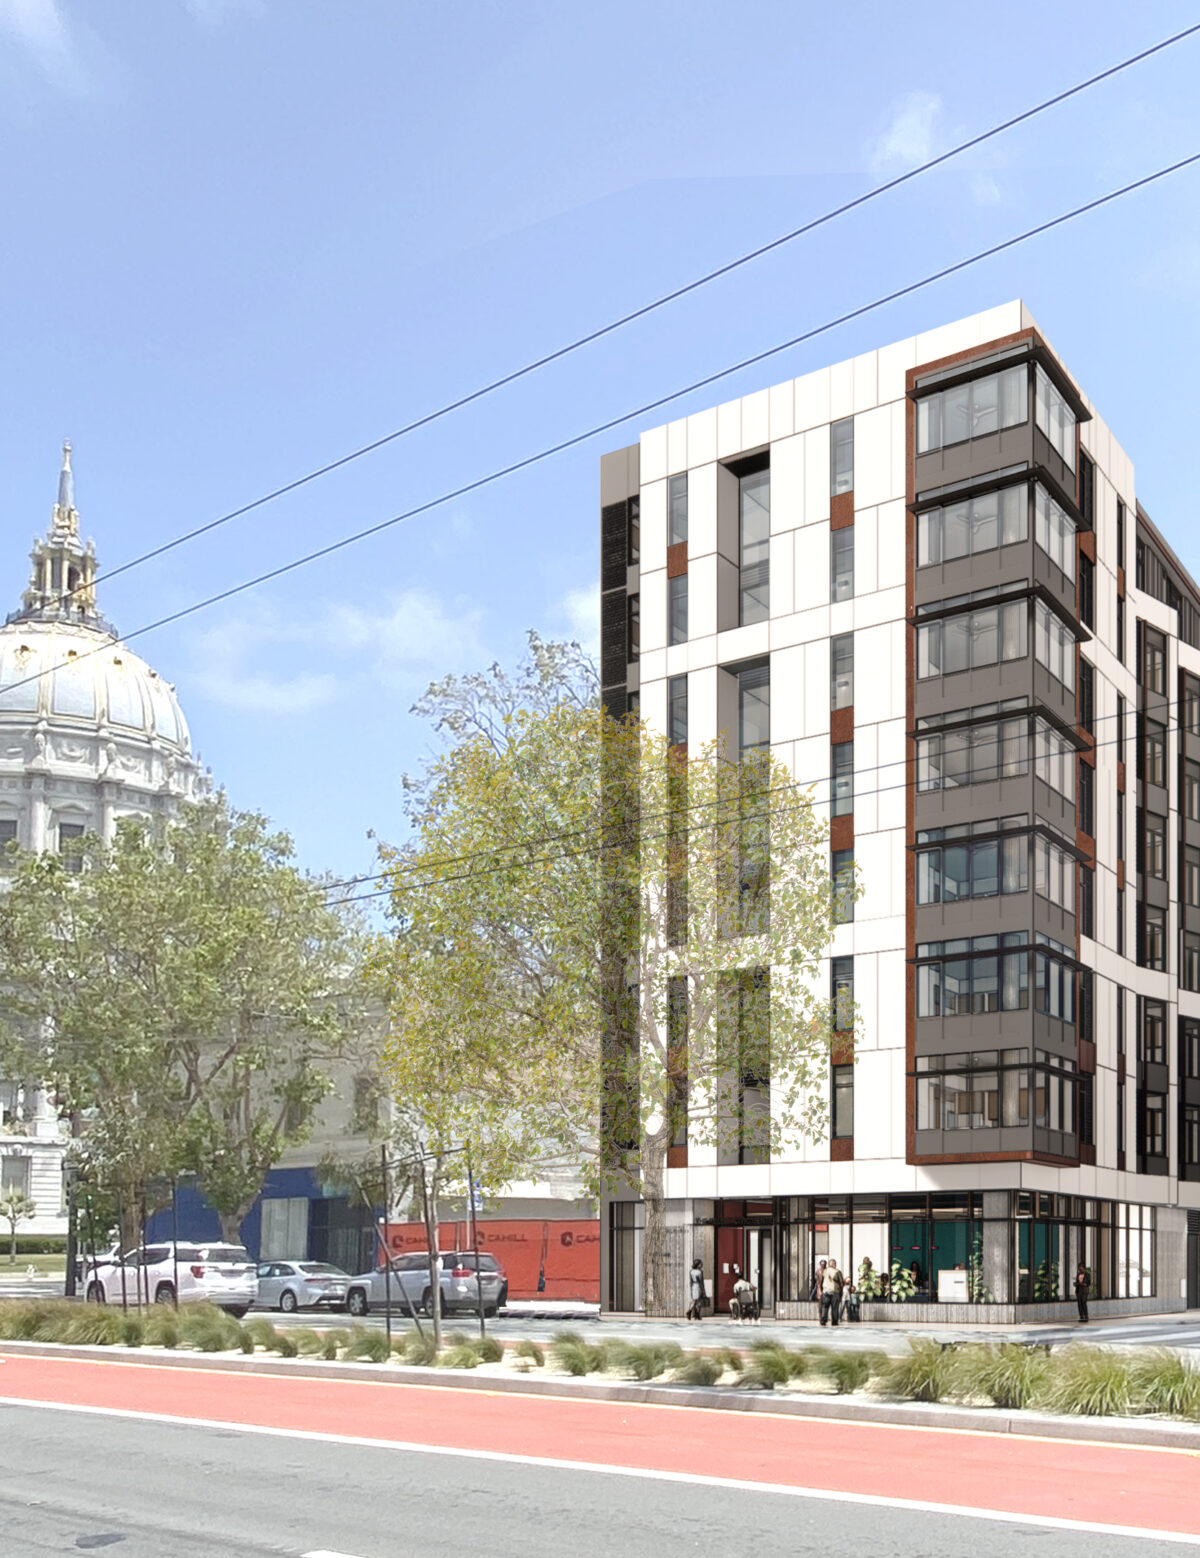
(222, 1274)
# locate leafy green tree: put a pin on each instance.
(188, 992)
(602, 947)
(15, 1208)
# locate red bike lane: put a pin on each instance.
(1120, 1485)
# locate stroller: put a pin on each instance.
(744, 1307)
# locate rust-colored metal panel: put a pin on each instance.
(1087, 844)
(677, 560)
(1120, 876)
(841, 725)
(677, 1157)
(1087, 544)
(1121, 776)
(841, 511)
(1087, 1056)
(841, 833)
(1087, 1153)
(1121, 581)
(842, 1049)
(841, 1149)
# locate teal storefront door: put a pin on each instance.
(935, 1247)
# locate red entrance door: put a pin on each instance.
(729, 1255)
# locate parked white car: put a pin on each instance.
(221, 1274)
(301, 1284)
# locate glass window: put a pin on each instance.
(1055, 418)
(842, 992)
(1054, 988)
(1054, 874)
(971, 639)
(1189, 1146)
(1154, 936)
(1054, 531)
(972, 870)
(1154, 1125)
(677, 609)
(843, 885)
(841, 456)
(843, 779)
(1191, 705)
(1154, 661)
(754, 709)
(1191, 791)
(677, 510)
(1189, 971)
(973, 410)
(979, 524)
(1191, 876)
(755, 546)
(1154, 754)
(1054, 760)
(634, 532)
(1087, 697)
(1189, 1048)
(1121, 629)
(841, 563)
(841, 671)
(677, 710)
(1054, 645)
(1154, 845)
(972, 1091)
(69, 846)
(843, 1101)
(633, 634)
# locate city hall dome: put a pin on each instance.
(88, 731)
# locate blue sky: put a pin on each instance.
(241, 237)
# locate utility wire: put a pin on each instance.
(647, 308)
(603, 427)
(794, 784)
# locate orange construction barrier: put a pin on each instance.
(543, 1258)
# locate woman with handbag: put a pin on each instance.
(696, 1290)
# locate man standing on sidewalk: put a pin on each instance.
(831, 1292)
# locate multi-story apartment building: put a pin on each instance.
(925, 576)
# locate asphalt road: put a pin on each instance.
(150, 1490)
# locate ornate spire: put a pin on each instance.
(62, 577)
(65, 516)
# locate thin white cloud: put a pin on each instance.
(39, 29)
(275, 664)
(581, 609)
(911, 136)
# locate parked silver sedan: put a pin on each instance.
(301, 1284)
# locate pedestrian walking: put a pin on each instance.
(696, 1290)
(815, 1295)
(1083, 1284)
(832, 1284)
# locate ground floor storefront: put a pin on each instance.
(940, 1255)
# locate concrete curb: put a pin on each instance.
(1154, 1432)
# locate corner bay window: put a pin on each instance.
(988, 1089)
(992, 749)
(981, 868)
(967, 640)
(1054, 874)
(1054, 645)
(1054, 532)
(981, 974)
(1055, 418)
(973, 410)
(979, 524)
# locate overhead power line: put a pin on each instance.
(613, 422)
(648, 308)
(572, 854)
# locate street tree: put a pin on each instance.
(611, 946)
(187, 992)
(15, 1208)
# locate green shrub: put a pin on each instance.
(925, 1373)
(488, 1349)
(642, 1362)
(461, 1356)
(530, 1351)
(416, 1349)
(1163, 1381)
(1007, 1372)
(132, 1327)
(729, 1358)
(86, 1326)
(310, 1344)
(767, 1366)
(368, 1346)
(1088, 1382)
(208, 1329)
(846, 1371)
(21, 1319)
(161, 1327)
(570, 1353)
(262, 1333)
(698, 1369)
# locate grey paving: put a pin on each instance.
(147, 1490)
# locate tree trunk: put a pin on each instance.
(656, 1284)
(12, 1249)
(231, 1226)
(429, 1214)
